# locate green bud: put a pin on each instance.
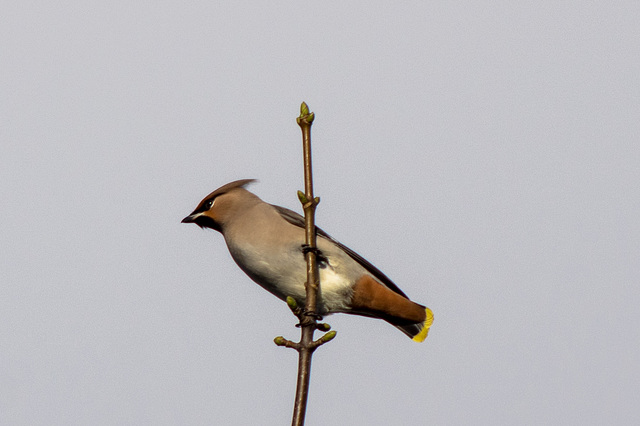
(328, 337)
(304, 109)
(280, 341)
(302, 197)
(293, 305)
(323, 326)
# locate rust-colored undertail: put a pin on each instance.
(372, 299)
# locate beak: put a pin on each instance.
(202, 220)
(191, 218)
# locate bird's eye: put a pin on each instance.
(209, 204)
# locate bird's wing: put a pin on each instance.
(297, 220)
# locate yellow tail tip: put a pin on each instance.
(425, 327)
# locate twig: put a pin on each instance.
(308, 316)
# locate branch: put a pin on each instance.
(308, 315)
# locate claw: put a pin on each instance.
(305, 318)
(322, 260)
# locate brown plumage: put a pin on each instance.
(266, 243)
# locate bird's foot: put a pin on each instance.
(308, 318)
(320, 257)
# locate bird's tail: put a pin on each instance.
(418, 331)
(373, 299)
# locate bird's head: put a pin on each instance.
(216, 208)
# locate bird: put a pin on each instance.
(267, 242)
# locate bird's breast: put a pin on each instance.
(281, 269)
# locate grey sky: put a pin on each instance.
(485, 156)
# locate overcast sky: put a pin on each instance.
(483, 155)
